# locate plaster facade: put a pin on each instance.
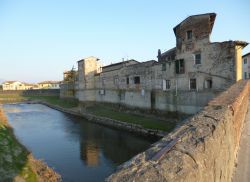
(183, 79)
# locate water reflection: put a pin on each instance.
(90, 153)
(77, 149)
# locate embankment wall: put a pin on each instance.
(188, 102)
(203, 149)
(37, 92)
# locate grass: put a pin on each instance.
(13, 157)
(146, 122)
(55, 100)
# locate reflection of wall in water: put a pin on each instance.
(90, 153)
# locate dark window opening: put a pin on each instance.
(198, 58)
(168, 84)
(189, 34)
(192, 83)
(163, 67)
(245, 75)
(208, 83)
(137, 80)
(245, 60)
(179, 66)
(127, 80)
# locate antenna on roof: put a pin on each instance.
(73, 68)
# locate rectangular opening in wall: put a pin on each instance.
(103, 81)
(245, 60)
(197, 59)
(208, 83)
(189, 34)
(165, 85)
(127, 80)
(136, 80)
(179, 66)
(192, 84)
(245, 75)
(116, 81)
(102, 92)
(163, 67)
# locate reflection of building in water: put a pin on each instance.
(90, 153)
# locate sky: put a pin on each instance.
(41, 39)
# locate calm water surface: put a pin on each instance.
(77, 149)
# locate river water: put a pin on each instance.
(77, 149)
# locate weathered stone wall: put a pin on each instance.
(188, 102)
(203, 149)
(42, 92)
(67, 90)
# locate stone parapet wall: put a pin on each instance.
(203, 149)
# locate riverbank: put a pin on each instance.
(109, 115)
(16, 162)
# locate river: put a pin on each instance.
(77, 149)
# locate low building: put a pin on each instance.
(16, 85)
(13, 85)
(246, 66)
(49, 85)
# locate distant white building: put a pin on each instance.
(49, 85)
(246, 66)
(13, 85)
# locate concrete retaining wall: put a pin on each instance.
(203, 149)
(188, 102)
(37, 92)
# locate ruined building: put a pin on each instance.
(183, 79)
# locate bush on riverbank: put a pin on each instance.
(16, 163)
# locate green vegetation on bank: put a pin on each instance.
(146, 122)
(100, 110)
(55, 100)
(7, 98)
(14, 165)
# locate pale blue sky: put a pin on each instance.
(41, 39)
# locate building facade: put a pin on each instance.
(49, 85)
(183, 79)
(246, 66)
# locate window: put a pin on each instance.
(136, 80)
(192, 84)
(245, 60)
(189, 34)
(197, 59)
(208, 83)
(127, 80)
(179, 66)
(103, 81)
(248, 75)
(166, 84)
(163, 67)
(245, 75)
(116, 80)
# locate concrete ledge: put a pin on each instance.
(203, 149)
